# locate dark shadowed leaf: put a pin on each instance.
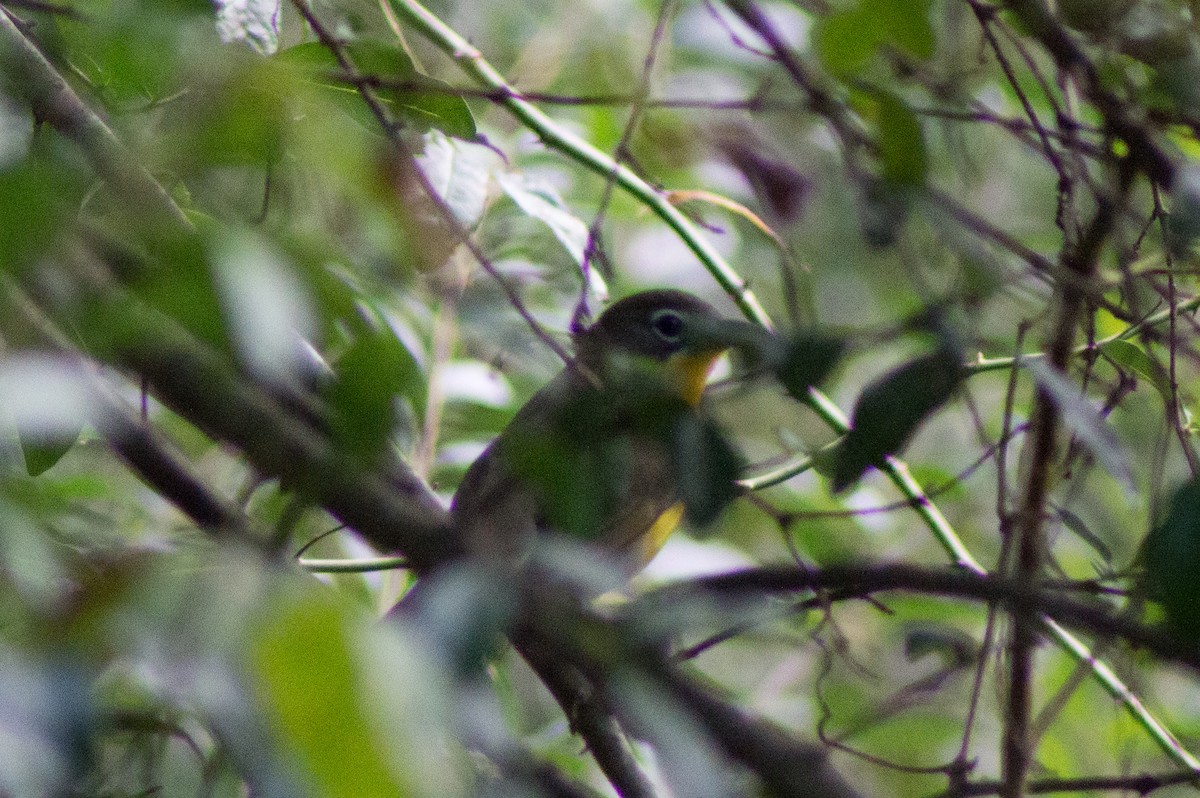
(368, 378)
(40, 456)
(708, 467)
(956, 648)
(890, 410)
(805, 359)
(1173, 561)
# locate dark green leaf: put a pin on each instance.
(436, 107)
(890, 410)
(1172, 557)
(35, 199)
(41, 455)
(708, 466)
(805, 359)
(901, 143)
(362, 395)
(424, 109)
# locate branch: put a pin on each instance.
(852, 581)
(54, 101)
(387, 504)
(472, 61)
(588, 718)
(607, 651)
(1145, 153)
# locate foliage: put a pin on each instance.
(273, 276)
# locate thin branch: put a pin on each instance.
(472, 62)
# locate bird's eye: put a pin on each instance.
(668, 324)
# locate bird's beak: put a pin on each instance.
(707, 340)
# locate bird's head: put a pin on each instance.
(667, 334)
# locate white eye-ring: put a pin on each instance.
(667, 324)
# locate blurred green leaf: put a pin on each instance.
(844, 41)
(890, 409)
(173, 276)
(805, 359)
(309, 686)
(41, 456)
(133, 53)
(368, 378)
(1172, 556)
(901, 143)
(1085, 421)
(1131, 357)
(904, 23)
(35, 200)
(707, 466)
(541, 202)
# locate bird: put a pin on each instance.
(593, 454)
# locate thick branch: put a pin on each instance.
(54, 101)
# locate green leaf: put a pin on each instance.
(35, 199)
(177, 281)
(1172, 556)
(438, 107)
(540, 201)
(367, 379)
(459, 171)
(805, 359)
(901, 143)
(708, 466)
(844, 41)
(309, 688)
(904, 23)
(1131, 357)
(41, 456)
(890, 409)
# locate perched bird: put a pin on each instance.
(596, 454)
